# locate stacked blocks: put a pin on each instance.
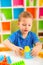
(18, 63)
(4, 60)
(27, 52)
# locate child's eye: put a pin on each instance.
(29, 25)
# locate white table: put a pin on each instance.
(14, 58)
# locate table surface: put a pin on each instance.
(14, 58)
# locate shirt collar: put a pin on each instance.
(20, 34)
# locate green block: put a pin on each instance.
(7, 13)
(18, 63)
(41, 25)
(5, 36)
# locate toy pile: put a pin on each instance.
(5, 60)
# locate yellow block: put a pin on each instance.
(27, 49)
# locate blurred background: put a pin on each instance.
(11, 9)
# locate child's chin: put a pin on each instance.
(26, 32)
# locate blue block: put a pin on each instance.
(27, 55)
(8, 59)
(1, 58)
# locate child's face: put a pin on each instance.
(25, 25)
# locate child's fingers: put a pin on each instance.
(33, 54)
(17, 52)
(21, 52)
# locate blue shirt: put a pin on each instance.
(17, 39)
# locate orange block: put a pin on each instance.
(4, 62)
(5, 26)
(32, 11)
(22, 52)
(41, 55)
(4, 49)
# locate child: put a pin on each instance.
(24, 37)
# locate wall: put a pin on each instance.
(11, 9)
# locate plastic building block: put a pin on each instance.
(4, 63)
(27, 52)
(27, 49)
(18, 63)
(5, 60)
(27, 55)
(41, 55)
(8, 59)
(22, 52)
(1, 57)
(4, 49)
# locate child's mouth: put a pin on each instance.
(25, 30)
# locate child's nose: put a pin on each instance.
(26, 27)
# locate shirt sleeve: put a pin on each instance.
(35, 38)
(12, 37)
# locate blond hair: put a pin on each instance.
(25, 14)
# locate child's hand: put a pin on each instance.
(17, 50)
(36, 50)
(21, 52)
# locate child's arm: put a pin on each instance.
(36, 49)
(11, 46)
